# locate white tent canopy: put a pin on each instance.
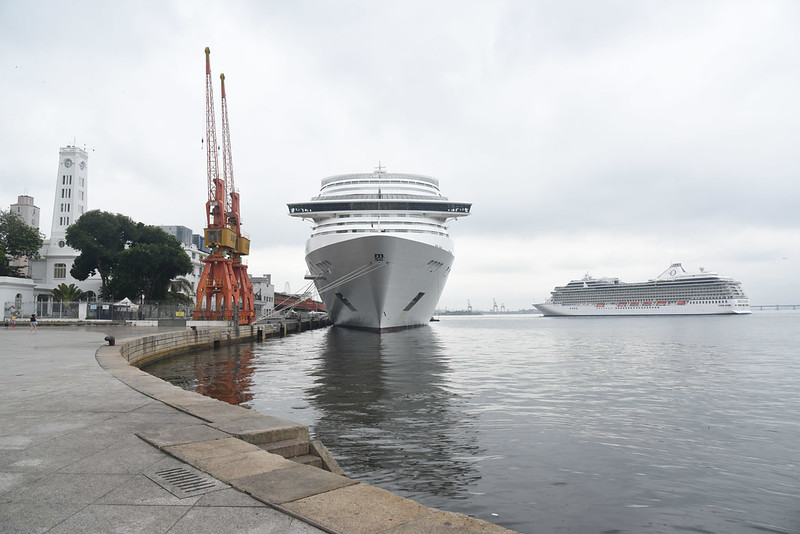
(128, 303)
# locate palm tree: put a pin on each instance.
(181, 285)
(67, 293)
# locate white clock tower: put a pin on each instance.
(71, 201)
(71, 191)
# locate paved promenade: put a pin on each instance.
(69, 457)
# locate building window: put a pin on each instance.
(60, 270)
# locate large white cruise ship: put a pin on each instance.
(674, 292)
(379, 251)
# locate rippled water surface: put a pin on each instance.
(668, 424)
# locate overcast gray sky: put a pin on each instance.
(608, 137)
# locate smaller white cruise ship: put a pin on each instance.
(674, 292)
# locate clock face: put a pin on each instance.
(82, 165)
(68, 163)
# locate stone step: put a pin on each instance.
(287, 448)
(308, 459)
(263, 429)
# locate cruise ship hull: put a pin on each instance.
(380, 283)
(733, 307)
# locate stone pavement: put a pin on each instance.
(69, 457)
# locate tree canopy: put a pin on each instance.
(17, 240)
(133, 259)
(101, 237)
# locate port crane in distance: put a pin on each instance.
(224, 292)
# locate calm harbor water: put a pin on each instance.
(667, 424)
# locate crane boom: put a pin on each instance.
(232, 207)
(215, 207)
(242, 248)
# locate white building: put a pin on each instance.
(196, 255)
(14, 291)
(29, 212)
(21, 296)
(26, 210)
(263, 295)
(16, 296)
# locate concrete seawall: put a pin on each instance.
(143, 350)
(249, 450)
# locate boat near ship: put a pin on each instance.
(673, 292)
(379, 252)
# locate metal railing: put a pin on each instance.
(98, 310)
(146, 311)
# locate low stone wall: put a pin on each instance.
(147, 349)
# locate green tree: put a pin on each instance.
(17, 240)
(101, 238)
(67, 293)
(133, 259)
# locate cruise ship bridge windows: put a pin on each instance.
(383, 230)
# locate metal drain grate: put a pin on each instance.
(185, 482)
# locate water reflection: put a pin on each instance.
(585, 425)
(225, 374)
(388, 412)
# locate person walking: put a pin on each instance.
(34, 325)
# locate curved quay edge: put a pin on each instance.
(225, 444)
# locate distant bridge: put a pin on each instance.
(762, 307)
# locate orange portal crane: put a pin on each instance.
(219, 295)
(246, 297)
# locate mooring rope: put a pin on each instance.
(349, 277)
